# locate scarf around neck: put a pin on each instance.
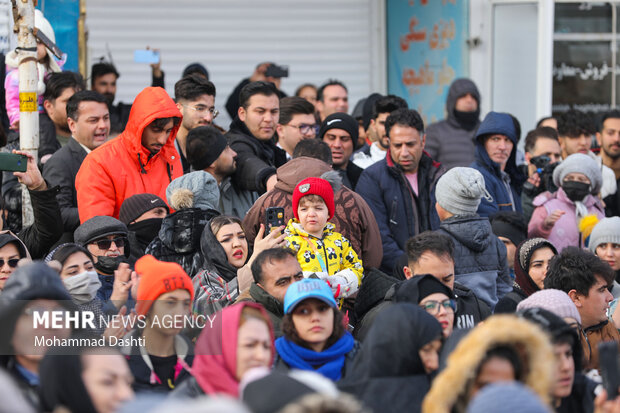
(330, 360)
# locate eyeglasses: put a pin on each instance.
(12, 262)
(201, 109)
(433, 307)
(105, 244)
(305, 128)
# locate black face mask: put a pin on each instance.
(107, 265)
(468, 120)
(146, 230)
(576, 191)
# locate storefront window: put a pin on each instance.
(584, 57)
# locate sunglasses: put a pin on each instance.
(11, 263)
(432, 307)
(105, 244)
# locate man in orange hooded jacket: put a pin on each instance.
(142, 159)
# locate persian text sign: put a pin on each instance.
(426, 51)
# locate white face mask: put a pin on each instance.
(83, 287)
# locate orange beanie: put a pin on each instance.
(157, 278)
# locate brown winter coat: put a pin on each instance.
(592, 337)
(353, 217)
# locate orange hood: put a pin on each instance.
(150, 104)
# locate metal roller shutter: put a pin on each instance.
(317, 39)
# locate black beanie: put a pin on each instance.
(204, 146)
(341, 121)
(138, 204)
(428, 285)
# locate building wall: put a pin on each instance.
(318, 40)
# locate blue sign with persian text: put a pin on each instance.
(427, 50)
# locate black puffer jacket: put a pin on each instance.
(479, 257)
(179, 238)
(256, 159)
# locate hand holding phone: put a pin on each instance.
(274, 218)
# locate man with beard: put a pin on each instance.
(195, 98)
(106, 239)
(339, 131)
(208, 150)
(103, 80)
(608, 138)
(376, 131)
(451, 141)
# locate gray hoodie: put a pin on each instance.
(448, 141)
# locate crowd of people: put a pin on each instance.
(339, 262)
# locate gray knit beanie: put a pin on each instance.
(579, 163)
(194, 190)
(513, 397)
(460, 189)
(552, 300)
(607, 230)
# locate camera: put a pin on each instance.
(273, 70)
(545, 169)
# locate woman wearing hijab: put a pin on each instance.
(315, 337)
(80, 279)
(531, 262)
(12, 249)
(84, 380)
(227, 270)
(392, 372)
(240, 339)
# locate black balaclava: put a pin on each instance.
(146, 230)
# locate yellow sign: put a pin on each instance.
(28, 102)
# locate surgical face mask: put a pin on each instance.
(576, 191)
(83, 287)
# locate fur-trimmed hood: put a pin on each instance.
(534, 348)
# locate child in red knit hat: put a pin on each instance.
(321, 250)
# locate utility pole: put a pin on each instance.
(23, 14)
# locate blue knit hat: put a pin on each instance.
(498, 123)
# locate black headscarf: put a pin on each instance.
(215, 258)
(61, 384)
(398, 333)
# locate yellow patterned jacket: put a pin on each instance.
(333, 250)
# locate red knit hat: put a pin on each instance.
(157, 278)
(314, 186)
